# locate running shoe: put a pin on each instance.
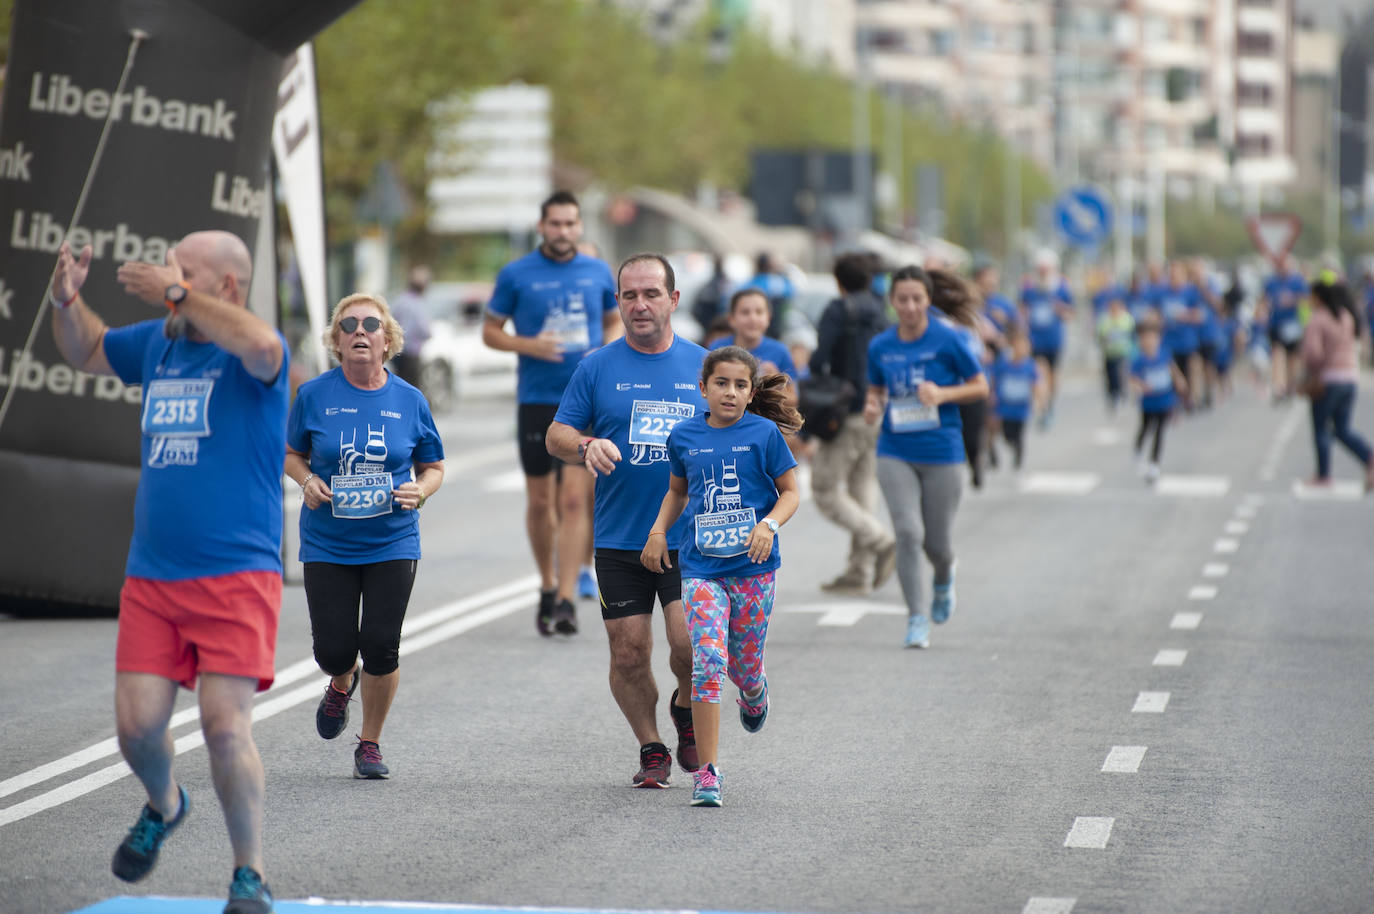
(655, 764)
(331, 717)
(367, 762)
(885, 565)
(848, 585)
(248, 894)
(565, 618)
(687, 758)
(137, 853)
(942, 601)
(706, 787)
(543, 616)
(753, 712)
(1152, 474)
(917, 632)
(586, 583)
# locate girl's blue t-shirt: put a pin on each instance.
(1046, 327)
(1157, 375)
(1013, 385)
(768, 350)
(911, 430)
(730, 475)
(1176, 304)
(634, 400)
(363, 444)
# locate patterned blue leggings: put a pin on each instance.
(727, 619)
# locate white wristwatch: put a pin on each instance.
(772, 524)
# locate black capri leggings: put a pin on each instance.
(332, 593)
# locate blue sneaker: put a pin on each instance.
(248, 894)
(917, 632)
(137, 853)
(706, 790)
(751, 715)
(586, 584)
(943, 602)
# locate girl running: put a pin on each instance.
(918, 371)
(733, 474)
(1016, 390)
(1155, 375)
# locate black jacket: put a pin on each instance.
(847, 325)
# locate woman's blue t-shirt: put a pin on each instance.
(730, 475)
(911, 430)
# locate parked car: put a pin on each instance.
(455, 362)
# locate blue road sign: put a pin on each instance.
(1083, 215)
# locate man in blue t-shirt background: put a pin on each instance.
(202, 590)
(561, 305)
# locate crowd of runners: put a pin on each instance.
(668, 465)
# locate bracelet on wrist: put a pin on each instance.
(306, 480)
(61, 305)
(658, 533)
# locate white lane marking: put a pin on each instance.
(1193, 486)
(448, 620)
(1252, 499)
(1246, 512)
(1202, 592)
(1186, 621)
(509, 481)
(1237, 527)
(1170, 657)
(1226, 545)
(1106, 437)
(1287, 429)
(1046, 905)
(1215, 570)
(1060, 483)
(1124, 759)
(1090, 831)
(1338, 490)
(1150, 703)
(843, 615)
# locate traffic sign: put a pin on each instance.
(1083, 215)
(1274, 234)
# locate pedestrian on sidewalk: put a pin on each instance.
(363, 447)
(733, 479)
(1330, 360)
(844, 480)
(918, 373)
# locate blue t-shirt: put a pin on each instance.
(1157, 375)
(1284, 294)
(363, 444)
(568, 299)
(1013, 384)
(1176, 304)
(1046, 327)
(730, 473)
(634, 400)
(1227, 328)
(1001, 312)
(209, 494)
(1105, 296)
(768, 350)
(1141, 303)
(911, 430)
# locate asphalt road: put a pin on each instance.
(1207, 643)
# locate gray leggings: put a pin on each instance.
(922, 499)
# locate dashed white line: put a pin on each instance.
(1237, 527)
(1193, 486)
(1215, 570)
(1124, 759)
(1186, 621)
(1170, 657)
(1046, 905)
(1252, 500)
(1060, 483)
(1090, 831)
(1202, 592)
(1225, 545)
(1150, 703)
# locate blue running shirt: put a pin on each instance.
(634, 400)
(1046, 327)
(209, 494)
(768, 350)
(1176, 303)
(1284, 294)
(911, 430)
(1013, 384)
(363, 444)
(730, 488)
(1157, 376)
(568, 299)
(999, 309)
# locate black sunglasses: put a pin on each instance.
(370, 324)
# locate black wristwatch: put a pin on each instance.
(582, 449)
(176, 294)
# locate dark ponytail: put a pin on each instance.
(1337, 298)
(770, 393)
(947, 291)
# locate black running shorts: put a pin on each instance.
(532, 421)
(628, 588)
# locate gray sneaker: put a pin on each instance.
(847, 585)
(367, 762)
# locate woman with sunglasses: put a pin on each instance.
(362, 445)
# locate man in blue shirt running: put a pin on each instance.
(562, 306)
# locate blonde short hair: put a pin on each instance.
(391, 329)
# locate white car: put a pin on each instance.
(455, 362)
